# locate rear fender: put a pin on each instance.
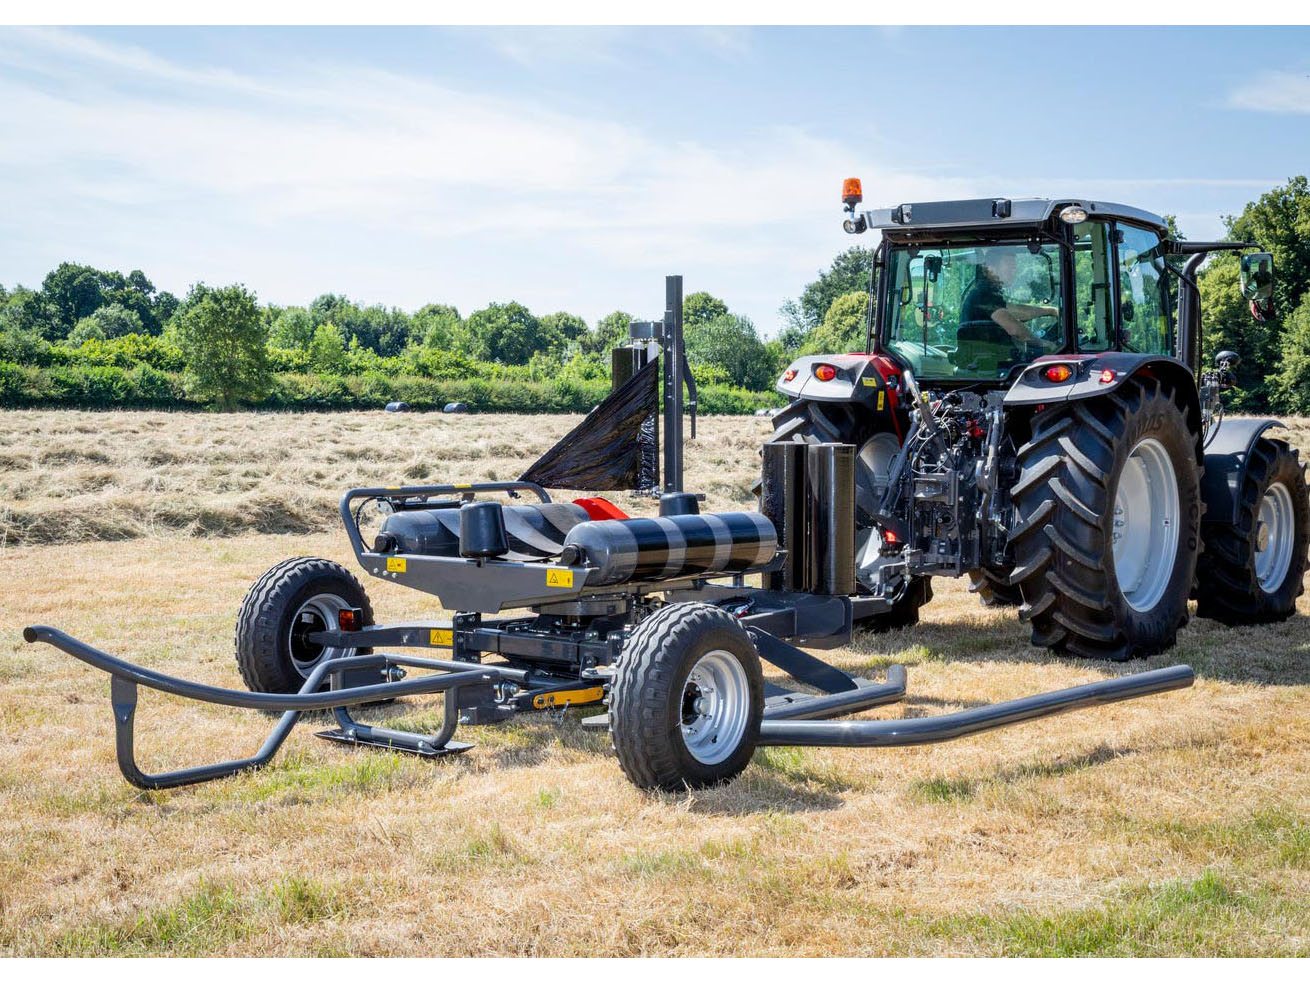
(857, 381)
(1100, 374)
(1226, 457)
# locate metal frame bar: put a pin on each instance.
(948, 727)
(126, 677)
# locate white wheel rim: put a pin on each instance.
(1274, 537)
(322, 611)
(715, 707)
(1146, 520)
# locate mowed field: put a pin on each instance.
(1178, 824)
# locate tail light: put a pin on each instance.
(1057, 373)
(350, 619)
(1108, 376)
(789, 375)
(825, 373)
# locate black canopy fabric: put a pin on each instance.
(615, 448)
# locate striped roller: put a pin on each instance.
(668, 547)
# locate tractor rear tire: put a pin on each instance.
(1252, 571)
(1107, 522)
(687, 699)
(994, 589)
(292, 599)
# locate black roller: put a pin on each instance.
(782, 502)
(679, 503)
(534, 532)
(830, 483)
(482, 530)
(668, 547)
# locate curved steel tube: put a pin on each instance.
(847, 701)
(457, 673)
(125, 677)
(352, 530)
(929, 730)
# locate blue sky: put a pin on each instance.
(571, 168)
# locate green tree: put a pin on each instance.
(224, 342)
(438, 326)
(1291, 386)
(731, 343)
(848, 273)
(28, 311)
(701, 308)
(843, 326)
(327, 350)
(111, 321)
(508, 334)
(567, 326)
(293, 327)
(611, 331)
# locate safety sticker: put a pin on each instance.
(882, 399)
(396, 564)
(559, 578)
(442, 636)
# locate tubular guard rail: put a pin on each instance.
(782, 724)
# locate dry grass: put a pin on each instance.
(1174, 825)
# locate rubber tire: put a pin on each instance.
(807, 422)
(264, 620)
(1228, 590)
(1064, 565)
(645, 712)
(994, 589)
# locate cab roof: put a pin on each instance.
(997, 213)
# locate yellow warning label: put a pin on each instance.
(442, 636)
(461, 486)
(573, 697)
(882, 399)
(396, 564)
(869, 381)
(559, 578)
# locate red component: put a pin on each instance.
(888, 536)
(887, 368)
(1058, 373)
(1108, 375)
(789, 375)
(825, 373)
(350, 619)
(601, 508)
(975, 431)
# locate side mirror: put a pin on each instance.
(1258, 276)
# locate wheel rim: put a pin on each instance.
(715, 707)
(1274, 537)
(1146, 513)
(318, 613)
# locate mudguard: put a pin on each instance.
(1032, 386)
(1225, 466)
(857, 381)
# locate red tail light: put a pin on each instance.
(1058, 373)
(350, 619)
(825, 373)
(789, 375)
(1108, 376)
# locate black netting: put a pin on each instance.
(615, 448)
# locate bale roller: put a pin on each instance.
(669, 547)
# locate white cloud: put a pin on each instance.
(1273, 92)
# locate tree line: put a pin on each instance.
(94, 337)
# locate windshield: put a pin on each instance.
(972, 312)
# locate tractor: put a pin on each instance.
(1031, 412)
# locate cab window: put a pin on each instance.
(1144, 308)
(1093, 299)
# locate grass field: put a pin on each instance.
(1178, 824)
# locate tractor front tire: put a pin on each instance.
(1107, 522)
(687, 699)
(291, 600)
(1252, 571)
(994, 589)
